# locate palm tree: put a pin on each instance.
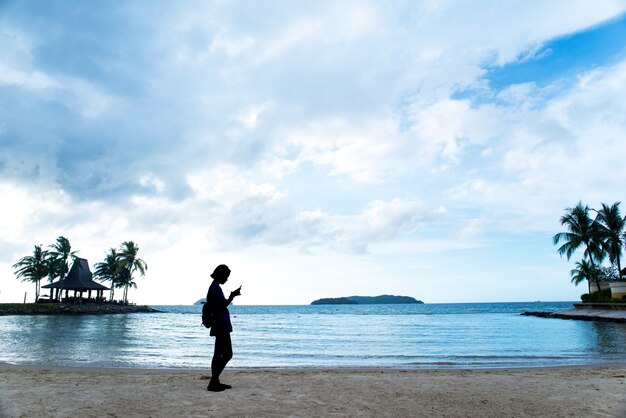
(611, 227)
(129, 261)
(59, 257)
(581, 231)
(583, 271)
(108, 269)
(124, 279)
(54, 268)
(33, 268)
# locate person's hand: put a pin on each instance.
(236, 292)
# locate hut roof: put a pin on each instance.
(78, 278)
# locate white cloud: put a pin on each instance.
(378, 222)
(247, 212)
(26, 208)
(444, 128)
(363, 151)
(471, 229)
(250, 117)
(31, 80)
(189, 129)
(568, 144)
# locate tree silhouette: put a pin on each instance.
(33, 268)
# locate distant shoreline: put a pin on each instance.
(71, 309)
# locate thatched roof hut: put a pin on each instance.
(79, 279)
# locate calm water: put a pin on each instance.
(430, 335)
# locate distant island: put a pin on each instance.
(366, 300)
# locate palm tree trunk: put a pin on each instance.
(62, 278)
(61, 290)
(61, 286)
(593, 267)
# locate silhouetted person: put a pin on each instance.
(220, 326)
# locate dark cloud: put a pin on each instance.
(78, 109)
(96, 40)
(112, 92)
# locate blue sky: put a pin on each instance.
(564, 58)
(319, 148)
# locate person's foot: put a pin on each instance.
(225, 386)
(215, 387)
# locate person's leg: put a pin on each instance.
(221, 356)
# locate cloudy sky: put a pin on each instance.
(319, 148)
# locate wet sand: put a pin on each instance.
(40, 391)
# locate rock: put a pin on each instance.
(70, 309)
(584, 315)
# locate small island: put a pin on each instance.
(367, 300)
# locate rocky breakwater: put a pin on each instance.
(608, 312)
(71, 309)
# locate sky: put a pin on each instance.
(318, 148)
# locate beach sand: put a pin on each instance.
(39, 391)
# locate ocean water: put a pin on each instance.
(473, 335)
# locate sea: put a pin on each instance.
(460, 335)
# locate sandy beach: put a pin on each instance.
(39, 391)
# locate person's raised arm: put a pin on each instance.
(219, 302)
(233, 295)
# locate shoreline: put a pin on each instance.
(544, 391)
(7, 309)
(405, 368)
